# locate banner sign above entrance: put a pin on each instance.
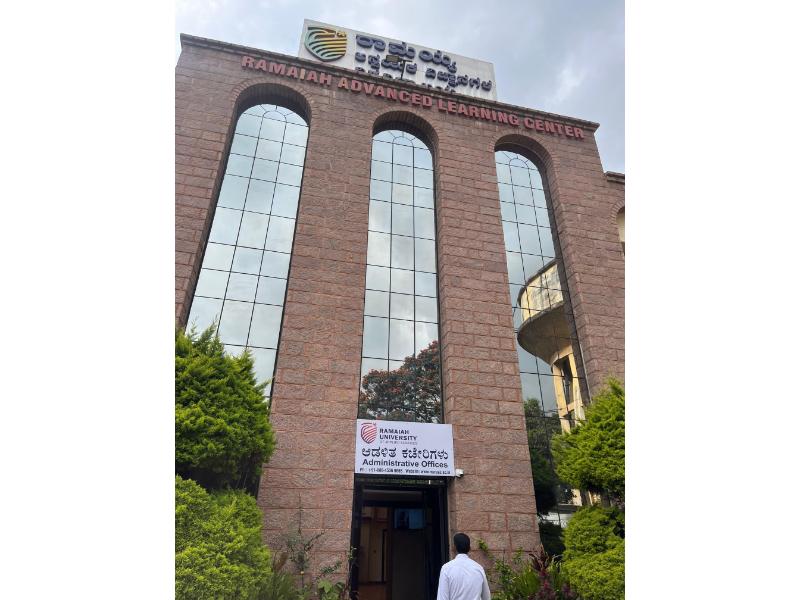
(396, 59)
(402, 448)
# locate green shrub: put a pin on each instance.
(218, 549)
(594, 558)
(222, 429)
(552, 537)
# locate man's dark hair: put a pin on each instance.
(461, 542)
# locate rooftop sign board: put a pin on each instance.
(395, 59)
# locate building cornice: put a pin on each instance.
(614, 177)
(201, 42)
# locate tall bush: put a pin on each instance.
(222, 429)
(594, 558)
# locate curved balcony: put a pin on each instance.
(544, 329)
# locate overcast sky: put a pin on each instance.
(564, 57)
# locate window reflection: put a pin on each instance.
(242, 285)
(400, 370)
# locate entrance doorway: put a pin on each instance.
(399, 533)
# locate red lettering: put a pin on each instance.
(462, 110)
(277, 68)
(513, 120)
(312, 76)
(427, 101)
(568, 131)
(560, 128)
(261, 66)
(391, 94)
(528, 122)
(579, 132)
(473, 112)
(486, 114)
(403, 96)
(538, 124)
(441, 105)
(451, 106)
(292, 72)
(379, 92)
(502, 117)
(324, 79)
(355, 86)
(368, 87)
(343, 83)
(247, 61)
(416, 99)
(549, 127)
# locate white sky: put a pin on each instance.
(562, 57)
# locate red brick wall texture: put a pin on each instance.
(317, 377)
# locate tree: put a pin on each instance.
(218, 547)
(592, 455)
(412, 392)
(541, 429)
(594, 555)
(222, 429)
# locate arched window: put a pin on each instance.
(621, 227)
(242, 283)
(400, 370)
(546, 349)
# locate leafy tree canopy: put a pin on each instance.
(592, 455)
(541, 429)
(412, 392)
(222, 429)
(594, 555)
(218, 547)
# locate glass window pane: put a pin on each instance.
(235, 322)
(269, 150)
(239, 165)
(425, 284)
(291, 174)
(218, 257)
(403, 155)
(425, 255)
(211, 283)
(526, 214)
(280, 235)
(402, 306)
(293, 154)
(503, 174)
(381, 151)
(248, 124)
(253, 230)
(205, 311)
(376, 304)
(376, 337)
(275, 264)
(423, 197)
(265, 169)
(233, 191)
(536, 178)
(402, 222)
(507, 212)
(242, 287)
(531, 264)
(401, 339)
(547, 241)
(244, 145)
(426, 309)
(529, 239)
(380, 190)
(549, 393)
(373, 364)
(514, 264)
(425, 334)
(506, 194)
(402, 281)
(423, 178)
(402, 252)
(246, 260)
(522, 195)
(381, 171)
(380, 216)
(377, 278)
(539, 199)
(519, 176)
(285, 201)
(378, 249)
(422, 159)
(402, 194)
(511, 236)
(530, 387)
(424, 223)
(527, 361)
(271, 290)
(295, 134)
(542, 217)
(259, 196)
(402, 174)
(266, 326)
(225, 228)
(263, 363)
(272, 130)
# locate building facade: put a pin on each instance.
(389, 251)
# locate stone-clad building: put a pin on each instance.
(389, 251)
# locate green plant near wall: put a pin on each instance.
(222, 429)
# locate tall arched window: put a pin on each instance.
(242, 283)
(400, 370)
(547, 351)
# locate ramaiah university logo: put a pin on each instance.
(325, 43)
(369, 431)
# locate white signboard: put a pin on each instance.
(401, 448)
(424, 65)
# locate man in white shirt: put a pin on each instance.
(462, 578)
